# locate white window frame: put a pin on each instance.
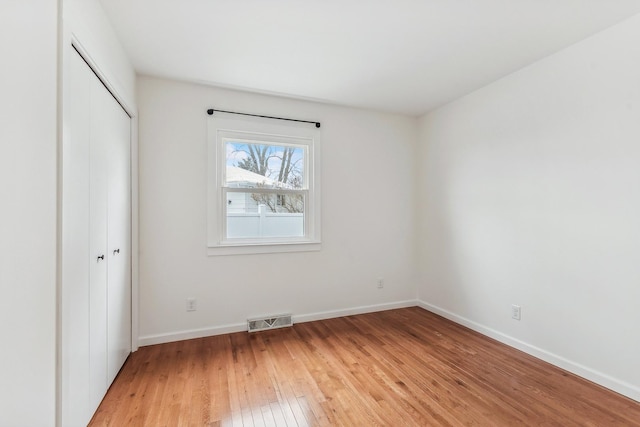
(224, 127)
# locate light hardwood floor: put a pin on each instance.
(405, 367)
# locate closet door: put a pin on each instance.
(96, 254)
(119, 241)
(98, 257)
(75, 262)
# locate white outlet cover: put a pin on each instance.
(515, 312)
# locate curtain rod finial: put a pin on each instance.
(210, 111)
(317, 124)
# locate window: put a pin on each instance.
(264, 193)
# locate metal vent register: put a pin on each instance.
(272, 322)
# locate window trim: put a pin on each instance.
(221, 128)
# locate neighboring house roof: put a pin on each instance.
(243, 178)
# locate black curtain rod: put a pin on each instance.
(210, 112)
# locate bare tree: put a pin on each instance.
(257, 160)
(290, 203)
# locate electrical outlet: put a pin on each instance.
(515, 312)
(380, 283)
(191, 304)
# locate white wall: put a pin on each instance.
(366, 167)
(529, 195)
(28, 38)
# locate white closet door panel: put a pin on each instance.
(98, 256)
(96, 242)
(76, 406)
(119, 232)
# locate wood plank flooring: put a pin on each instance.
(405, 367)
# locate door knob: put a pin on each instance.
(116, 251)
(101, 257)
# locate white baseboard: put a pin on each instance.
(190, 334)
(597, 377)
(353, 311)
(242, 327)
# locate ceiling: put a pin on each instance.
(404, 56)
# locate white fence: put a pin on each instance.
(264, 224)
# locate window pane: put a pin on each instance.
(252, 165)
(255, 215)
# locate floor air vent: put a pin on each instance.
(272, 322)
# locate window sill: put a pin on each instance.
(262, 248)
